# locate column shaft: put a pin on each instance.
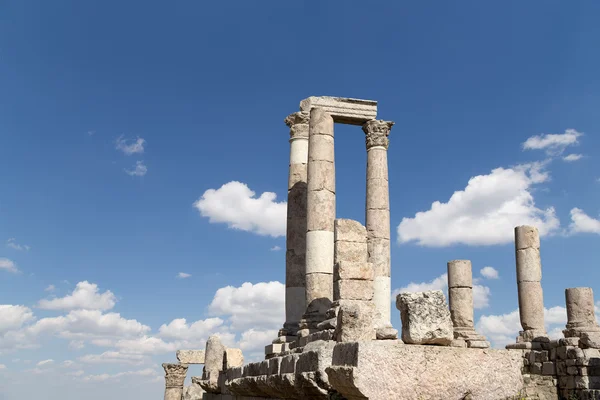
(460, 294)
(529, 276)
(320, 205)
(377, 218)
(580, 309)
(295, 257)
(174, 379)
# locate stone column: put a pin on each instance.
(174, 379)
(529, 276)
(460, 296)
(378, 218)
(213, 365)
(580, 312)
(295, 261)
(320, 216)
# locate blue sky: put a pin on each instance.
(194, 94)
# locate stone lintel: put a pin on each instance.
(343, 110)
(190, 356)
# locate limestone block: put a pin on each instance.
(580, 308)
(193, 392)
(343, 110)
(478, 344)
(379, 251)
(529, 266)
(461, 306)
(378, 223)
(320, 289)
(377, 164)
(345, 270)
(425, 318)
(320, 210)
(348, 230)
(378, 194)
(213, 359)
(386, 333)
(526, 236)
(321, 148)
(590, 340)
(390, 370)
(531, 305)
(355, 322)
(190, 356)
(353, 290)
(319, 252)
(460, 274)
(233, 358)
(350, 251)
(321, 176)
(320, 123)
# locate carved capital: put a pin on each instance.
(298, 123)
(377, 132)
(175, 374)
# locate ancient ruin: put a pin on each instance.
(337, 341)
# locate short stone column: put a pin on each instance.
(174, 379)
(378, 221)
(529, 276)
(460, 296)
(580, 312)
(213, 364)
(320, 217)
(295, 260)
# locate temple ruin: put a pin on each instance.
(337, 341)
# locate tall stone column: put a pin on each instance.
(529, 277)
(320, 217)
(460, 295)
(295, 260)
(174, 379)
(378, 220)
(580, 312)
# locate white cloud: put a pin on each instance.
(68, 363)
(583, 223)
(236, 205)
(45, 362)
(8, 265)
(114, 357)
(130, 146)
(140, 169)
(105, 377)
(14, 317)
(85, 296)
(252, 342)
(275, 248)
(14, 245)
(260, 305)
(77, 373)
(572, 157)
(183, 275)
(179, 329)
(481, 294)
(50, 288)
(76, 344)
(553, 143)
(489, 272)
(485, 212)
(2, 366)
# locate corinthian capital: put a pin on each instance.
(298, 123)
(377, 132)
(175, 374)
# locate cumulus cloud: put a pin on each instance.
(572, 157)
(583, 223)
(8, 265)
(489, 272)
(183, 275)
(259, 305)
(130, 146)
(553, 144)
(179, 329)
(114, 357)
(253, 341)
(481, 293)
(14, 317)
(85, 296)
(140, 169)
(485, 212)
(236, 205)
(76, 344)
(12, 243)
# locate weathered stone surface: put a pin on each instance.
(343, 110)
(355, 322)
(526, 236)
(460, 274)
(378, 194)
(350, 251)
(213, 364)
(580, 308)
(321, 174)
(233, 358)
(320, 123)
(425, 318)
(529, 262)
(386, 332)
(320, 209)
(352, 290)
(376, 134)
(378, 251)
(320, 288)
(321, 255)
(193, 392)
(461, 306)
(378, 223)
(531, 306)
(190, 356)
(349, 230)
(390, 370)
(345, 270)
(174, 379)
(323, 148)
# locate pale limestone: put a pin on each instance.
(425, 318)
(320, 123)
(378, 196)
(378, 223)
(355, 322)
(353, 290)
(350, 251)
(213, 364)
(174, 379)
(530, 265)
(353, 270)
(580, 308)
(349, 230)
(531, 306)
(320, 207)
(319, 292)
(193, 392)
(460, 274)
(526, 236)
(190, 356)
(321, 257)
(321, 174)
(377, 164)
(298, 174)
(461, 307)
(322, 148)
(233, 358)
(378, 251)
(343, 110)
(390, 370)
